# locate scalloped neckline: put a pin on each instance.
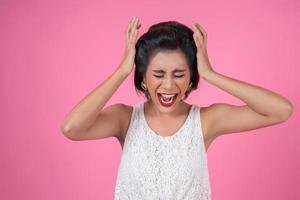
(168, 136)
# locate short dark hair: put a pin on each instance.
(165, 36)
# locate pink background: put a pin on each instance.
(53, 53)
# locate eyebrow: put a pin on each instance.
(176, 70)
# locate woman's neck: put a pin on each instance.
(153, 111)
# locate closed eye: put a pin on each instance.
(162, 76)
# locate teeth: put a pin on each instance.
(167, 98)
(167, 95)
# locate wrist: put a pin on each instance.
(207, 74)
(123, 71)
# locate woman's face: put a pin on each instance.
(167, 73)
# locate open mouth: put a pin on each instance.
(167, 99)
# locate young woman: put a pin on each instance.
(164, 139)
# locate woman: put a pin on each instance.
(164, 139)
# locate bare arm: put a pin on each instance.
(88, 120)
(263, 107)
(84, 114)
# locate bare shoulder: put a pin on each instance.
(110, 122)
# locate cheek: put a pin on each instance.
(183, 82)
(153, 81)
(153, 84)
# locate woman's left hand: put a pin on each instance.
(200, 38)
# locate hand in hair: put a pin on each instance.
(131, 37)
(200, 38)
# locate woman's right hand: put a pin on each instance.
(131, 37)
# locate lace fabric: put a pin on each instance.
(163, 167)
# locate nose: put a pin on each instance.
(168, 83)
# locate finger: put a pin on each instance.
(202, 31)
(129, 28)
(198, 36)
(196, 40)
(134, 31)
(130, 24)
(201, 45)
(196, 31)
(135, 37)
(138, 25)
(137, 30)
(132, 37)
(133, 27)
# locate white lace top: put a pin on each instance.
(163, 167)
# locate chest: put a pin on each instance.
(159, 169)
(166, 128)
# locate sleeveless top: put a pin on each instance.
(163, 167)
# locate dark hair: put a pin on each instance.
(164, 36)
